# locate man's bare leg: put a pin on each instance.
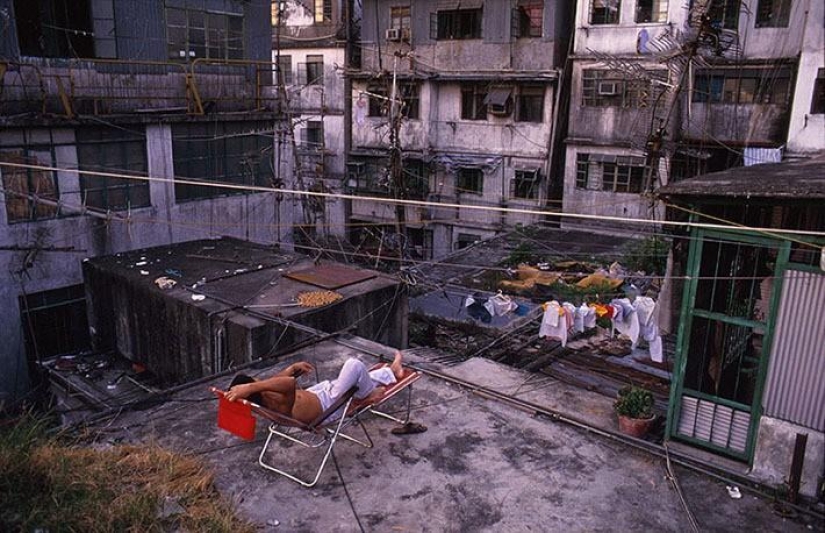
(397, 369)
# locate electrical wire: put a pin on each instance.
(395, 201)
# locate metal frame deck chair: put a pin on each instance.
(237, 418)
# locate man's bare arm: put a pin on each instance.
(283, 382)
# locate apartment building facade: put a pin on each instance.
(98, 95)
(309, 40)
(471, 126)
(665, 90)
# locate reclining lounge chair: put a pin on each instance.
(239, 418)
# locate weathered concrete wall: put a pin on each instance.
(499, 144)
(605, 203)
(774, 452)
(807, 131)
(751, 124)
(496, 50)
(253, 217)
(621, 38)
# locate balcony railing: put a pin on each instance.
(68, 88)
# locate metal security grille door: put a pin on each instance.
(725, 340)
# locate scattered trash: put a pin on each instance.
(173, 272)
(165, 283)
(733, 492)
(141, 263)
(198, 297)
(272, 522)
(144, 272)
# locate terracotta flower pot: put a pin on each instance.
(635, 427)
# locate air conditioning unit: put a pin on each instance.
(393, 34)
(609, 88)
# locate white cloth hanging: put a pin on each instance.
(626, 320)
(554, 323)
(646, 310)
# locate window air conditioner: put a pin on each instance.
(608, 88)
(393, 34)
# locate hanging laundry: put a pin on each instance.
(554, 323)
(500, 305)
(476, 310)
(569, 314)
(625, 319)
(648, 326)
(589, 316)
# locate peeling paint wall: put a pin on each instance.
(499, 144)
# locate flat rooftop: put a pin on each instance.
(483, 464)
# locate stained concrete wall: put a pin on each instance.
(774, 452)
(499, 144)
(604, 203)
(253, 217)
(496, 50)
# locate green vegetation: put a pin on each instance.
(635, 402)
(52, 485)
(648, 255)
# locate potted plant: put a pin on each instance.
(634, 407)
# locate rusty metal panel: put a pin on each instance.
(331, 276)
(795, 388)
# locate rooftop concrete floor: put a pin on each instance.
(481, 466)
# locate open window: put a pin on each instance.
(525, 184)
(499, 100)
(470, 180)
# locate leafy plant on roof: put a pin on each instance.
(648, 255)
(634, 402)
(523, 253)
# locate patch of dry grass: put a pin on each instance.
(47, 483)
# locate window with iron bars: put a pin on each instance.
(379, 104)
(609, 88)
(530, 103)
(315, 70)
(112, 150)
(323, 11)
(236, 153)
(472, 101)
(525, 184)
(195, 34)
(610, 173)
(743, 86)
(54, 322)
(528, 18)
(456, 24)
